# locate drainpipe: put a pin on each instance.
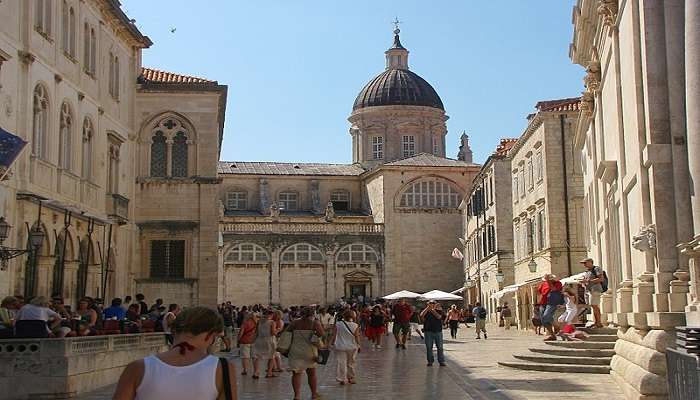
(566, 194)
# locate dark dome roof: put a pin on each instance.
(395, 87)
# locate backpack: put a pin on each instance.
(482, 313)
(604, 282)
(555, 298)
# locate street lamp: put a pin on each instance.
(485, 277)
(500, 277)
(36, 239)
(532, 265)
(4, 229)
(469, 283)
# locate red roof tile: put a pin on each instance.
(570, 104)
(150, 75)
(505, 145)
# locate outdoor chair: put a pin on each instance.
(110, 327)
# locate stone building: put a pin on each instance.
(117, 173)
(547, 197)
(65, 69)
(488, 231)
(299, 233)
(633, 141)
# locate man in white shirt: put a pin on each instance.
(327, 321)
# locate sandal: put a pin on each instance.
(256, 377)
(244, 373)
(270, 376)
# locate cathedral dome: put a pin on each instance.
(397, 86)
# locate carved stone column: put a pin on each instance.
(331, 273)
(264, 196)
(275, 252)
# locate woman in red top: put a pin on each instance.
(550, 299)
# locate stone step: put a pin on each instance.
(582, 345)
(603, 331)
(563, 351)
(568, 368)
(554, 359)
(602, 338)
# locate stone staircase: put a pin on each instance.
(591, 356)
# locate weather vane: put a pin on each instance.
(396, 25)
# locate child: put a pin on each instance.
(537, 319)
(570, 333)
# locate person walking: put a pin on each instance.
(168, 321)
(345, 342)
(246, 338)
(506, 315)
(375, 327)
(401, 312)
(595, 283)
(264, 345)
(415, 324)
(303, 353)
(550, 299)
(226, 312)
(433, 317)
(279, 327)
(480, 313)
(186, 371)
(453, 317)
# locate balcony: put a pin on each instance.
(303, 228)
(118, 208)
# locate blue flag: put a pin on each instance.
(10, 147)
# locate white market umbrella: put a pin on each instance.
(404, 294)
(439, 295)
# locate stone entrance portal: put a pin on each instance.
(358, 283)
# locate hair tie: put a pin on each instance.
(184, 346)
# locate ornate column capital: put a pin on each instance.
(607, 10)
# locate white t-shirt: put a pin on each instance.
(344, 337)
(326, 319)
(34, 313)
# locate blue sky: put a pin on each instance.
(294, 67)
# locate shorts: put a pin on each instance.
(400, 328)
(372, 332)
(593, 298)
(247, 351)
(480, 325)
(228, 332)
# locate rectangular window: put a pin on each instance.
(521, 180)
(168, 259)
(289, 201)
(436, 145)
(516, 235)
(530, 236)
(340, 200)
(237, 200)
(541, 230)
(515, 188)
(539, 166)
(409, 145)
(378, 147)
(530, 176)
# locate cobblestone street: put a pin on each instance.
(472, 373)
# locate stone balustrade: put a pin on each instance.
(292, 228)
(63, 368)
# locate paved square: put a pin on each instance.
(472, 373)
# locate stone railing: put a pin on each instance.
(292, 228)
(63, 368)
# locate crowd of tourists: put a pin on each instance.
(41, 317)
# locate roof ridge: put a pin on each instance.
(285, 162)
(162, 76)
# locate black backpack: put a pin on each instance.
(482, 313)
(604, 282)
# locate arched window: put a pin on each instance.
(158, 155)
(65, 138)
(357, 253)
(65, 30)
(40, 122)
(340, 200)
(179, 155)
(430, 193)
(42, 16)
(247, 253)
(72, 27)
(288, 201)
(88, 132)
(237, 200)
(302, 253)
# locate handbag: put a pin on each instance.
(284, 344)
(227, 379)
(323, 355)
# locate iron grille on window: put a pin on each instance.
(167, 259)
(180, 155)
(158, 157)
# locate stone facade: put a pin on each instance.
(488, 230)
(547, 196)
(633, 142)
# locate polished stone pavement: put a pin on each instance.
(472, 373)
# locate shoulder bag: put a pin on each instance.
(227, 378)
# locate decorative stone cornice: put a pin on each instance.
(593, 77)
(587, 103)
(607, 10)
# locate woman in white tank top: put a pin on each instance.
(186, 371)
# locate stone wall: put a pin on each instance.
(64, 368)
